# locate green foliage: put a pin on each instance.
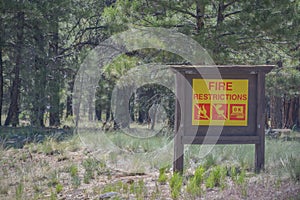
(76, 182)
(162, 178)
(53, 195)
(210, 161)
(59, 188)
(73, 170)
(293, 167)
(233, 173)
(199, 175)
(63, 32)
(216, 177)
(54, 180)
(91, 166)
(241, 177)
(19, 191)
(48, 146)
(194, 184)
(175, 184)
(283, 81)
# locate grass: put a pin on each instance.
(96, 161)
(216, 177)
(162, 177)
(194, 185)
(175, 185)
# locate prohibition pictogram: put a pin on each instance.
(202, 111)
(219, 111)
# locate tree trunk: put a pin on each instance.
(221, 9)
(298, 113)
(39, 97)
(1, 70)
(200, 9)
(54, 111)
(276, 111)
(54, 83)
(152, 115)
(70, 97)
(1, 81)
(285, 111)
(289, 120)
(122, 108)
(40, 74)
(91, 107)
(13, 111)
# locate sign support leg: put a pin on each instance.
(178, 154)
(260, 147)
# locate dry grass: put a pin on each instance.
(86, 166)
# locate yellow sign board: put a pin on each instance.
(220, 102)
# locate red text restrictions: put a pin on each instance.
(220, 102)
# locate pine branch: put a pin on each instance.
(233, 13)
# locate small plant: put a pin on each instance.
(53, 195)
(216, 177)
(88, 175)
(53, 179)
(199, 174)
(241, 182)
(59, 188)
(73, 144)
(74, 174)
(76, 181)
(175, 185)
(19, 191)
(194, 185)
(241, 177)
(210, 161)
(233, 173)
(90, 165)
(138, 189)
(162, 178)
(293, 167)
(73, 170)
(47, 146)
(222, 178)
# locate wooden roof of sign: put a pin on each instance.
(224, 69)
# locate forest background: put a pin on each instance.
(43, 43)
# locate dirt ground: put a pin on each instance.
(30, 173)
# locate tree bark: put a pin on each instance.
(221, 9)
(298, 113)
(54, 83)
(122, 108)
(40, 73)
(1, 69)
(70, 96)
(1, 81)
(91, 107)
(276, 111)
(200, 9)
(13, 111)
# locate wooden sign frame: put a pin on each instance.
(252, 133)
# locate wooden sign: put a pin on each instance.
(220, 105)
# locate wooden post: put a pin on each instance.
(179, 117)
(260, 147)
